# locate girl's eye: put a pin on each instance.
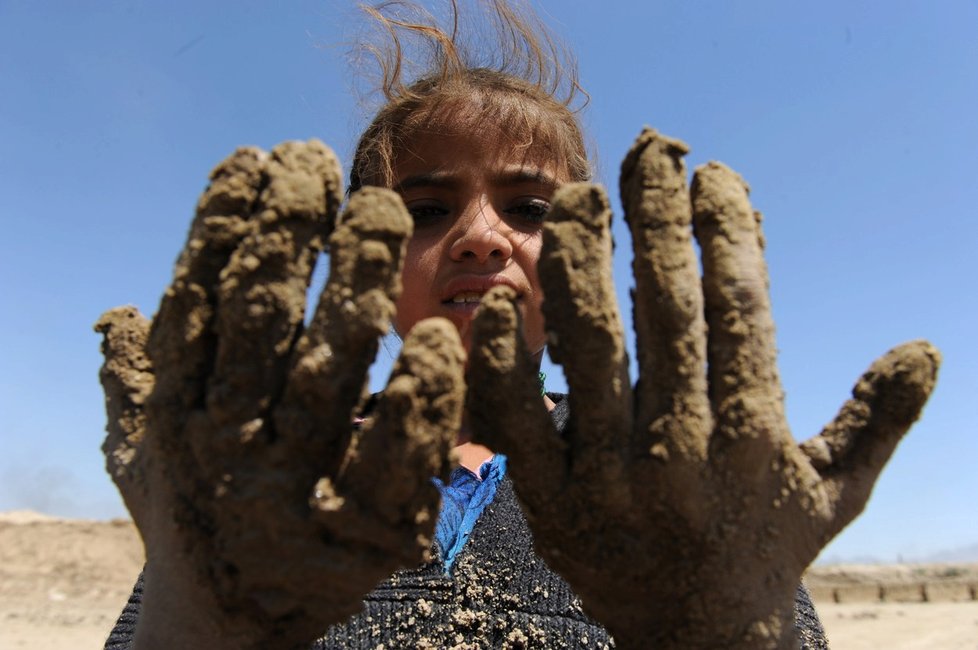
(426, 213)
(533, 210)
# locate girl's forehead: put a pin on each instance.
(473, 153)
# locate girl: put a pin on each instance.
(266, 522)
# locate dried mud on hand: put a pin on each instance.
(680, 510)
(230, 423)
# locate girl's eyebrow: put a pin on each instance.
(428, 179)
(526, 175)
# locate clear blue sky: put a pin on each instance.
(853, 121)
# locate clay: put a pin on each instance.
(681, 511)
(230, 424)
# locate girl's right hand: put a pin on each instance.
(265, 516)
(681, 511)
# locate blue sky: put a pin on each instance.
(853, 121)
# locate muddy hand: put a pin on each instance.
(265, 516)
(681, 511)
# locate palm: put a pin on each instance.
(681, 511)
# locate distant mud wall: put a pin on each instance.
(894, 584)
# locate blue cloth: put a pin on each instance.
(462, 501)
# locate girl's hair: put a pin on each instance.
(513, 88)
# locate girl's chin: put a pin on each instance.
(462, 319)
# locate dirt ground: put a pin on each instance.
(63, 582)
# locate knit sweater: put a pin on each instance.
(499, 594)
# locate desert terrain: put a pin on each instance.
(63, 582)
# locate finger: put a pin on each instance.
(354, 311)
(851, 451)
(127, 379)
(743, 377)
(584, 331)
(385, 487)
(673, 409)
(262, 292)
(181, 342)
(503, 403)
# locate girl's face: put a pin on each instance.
(477, 224)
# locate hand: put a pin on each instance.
(682, 512)
(265, 517)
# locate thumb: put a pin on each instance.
(851, 451)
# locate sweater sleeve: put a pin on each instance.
(807, 623)
(120, 638)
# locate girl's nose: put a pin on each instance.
(482, 235)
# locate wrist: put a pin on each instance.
(750, 620)
(770, 633)
(177, 612)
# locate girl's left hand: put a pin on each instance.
(265, 516)
(681, 511)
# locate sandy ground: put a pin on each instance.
(907, 606)
(907, 626)
(63, 582)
